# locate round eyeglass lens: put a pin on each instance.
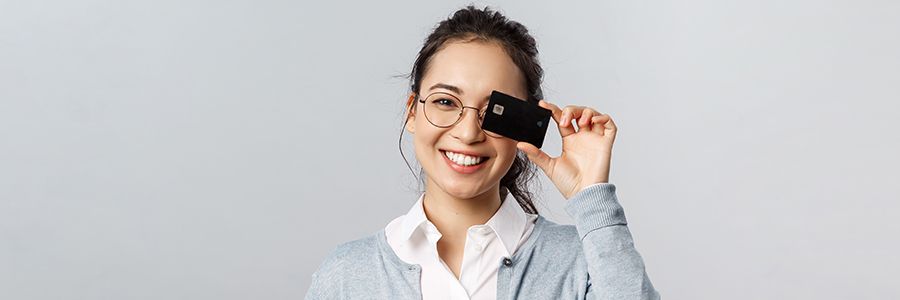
(444, 110)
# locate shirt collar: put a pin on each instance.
(508, 223)
(413, 219)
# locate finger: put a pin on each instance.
(565, 120)
(586, 118)
(563, 124)
(554, 110)
(540, 158)
(604, 125)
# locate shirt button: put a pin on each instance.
(482, 231)
(477, 248)
(507, 262)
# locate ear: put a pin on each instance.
(411, 114)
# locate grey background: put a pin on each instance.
(222, 149)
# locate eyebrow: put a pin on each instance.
(446, 87)
(452, 88)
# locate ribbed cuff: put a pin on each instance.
(595, 207)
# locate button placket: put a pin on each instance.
(479, 238)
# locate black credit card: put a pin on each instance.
(514, 118)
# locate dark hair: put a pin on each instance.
(485, 25)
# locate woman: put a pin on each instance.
(475, 233)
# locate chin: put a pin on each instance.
(461, 190)
(465, 195)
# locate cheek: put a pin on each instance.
(507, 150)
(426, 135)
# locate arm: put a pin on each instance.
(615, 267)
(581, 174)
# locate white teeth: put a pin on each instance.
(463, 160)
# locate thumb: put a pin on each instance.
(540, 158)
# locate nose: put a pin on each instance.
(468, 129)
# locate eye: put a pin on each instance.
(445, 104)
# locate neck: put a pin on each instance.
(453, 216)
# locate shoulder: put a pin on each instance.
(556, 233)
(352, 255)
(338, 274)
(363, 267)
(368, 257)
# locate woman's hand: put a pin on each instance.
(586, 152)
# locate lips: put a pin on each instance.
(464, 159)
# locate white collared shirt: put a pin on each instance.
(414, 238)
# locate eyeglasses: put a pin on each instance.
(444, 110)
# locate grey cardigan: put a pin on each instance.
(595, 259)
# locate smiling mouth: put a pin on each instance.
(464, 160)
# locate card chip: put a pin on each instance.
(498, 109)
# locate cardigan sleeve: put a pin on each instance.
(615, 267)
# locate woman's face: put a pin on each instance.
(470, 71)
